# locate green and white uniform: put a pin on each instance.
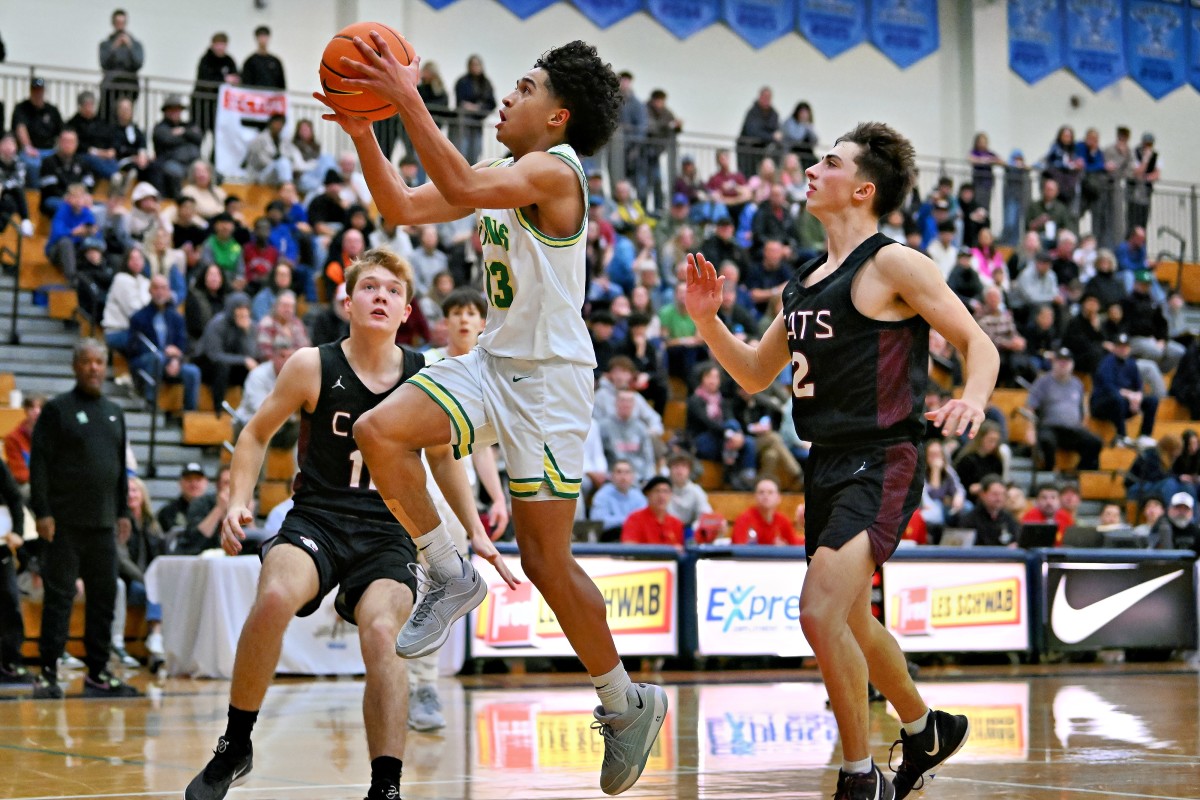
(528, 384)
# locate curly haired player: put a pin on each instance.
(528, 384)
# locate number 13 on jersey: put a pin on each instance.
(801, 386)
(499, 284)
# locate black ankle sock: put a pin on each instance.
(239, 727)
(385, 772)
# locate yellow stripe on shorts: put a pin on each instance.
(560, 485)
(454, 410)
(524, 487)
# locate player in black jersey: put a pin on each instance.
(855, 330)
(339, 533)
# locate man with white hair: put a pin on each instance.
(354, 191)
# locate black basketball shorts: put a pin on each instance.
(349, 552)
(871, 487)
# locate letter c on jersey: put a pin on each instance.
(341, 415)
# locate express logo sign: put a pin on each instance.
(749, 608)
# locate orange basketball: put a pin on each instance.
(353, 100)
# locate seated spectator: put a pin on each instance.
(653, 523)
(649, 378)
(1064, 266)
(202, 530)
(997, 322)
(1017, 503)
(266, 161)
(96, 137)
(308, 162)
(222, 249)
(762, 523)
(1150, 474)
(1185, 385)
(36, 124)
(1106, 284)
(210, 198)
(1187, 466)
(205, 300)
(260, 257)
(353, 246)
(60, 169)
(193, 484)
(616, 500)
(944, 497)
(189, 232)
(714, 432)
(235, 208)
(146, 213)
(129, 293)
(1178, 531)
(281, 324)
(163, 326)
(774, 222)
(761, 416)
(1152, 512)
(164, 260)
(264, 300)
(1034, 287)
(129, 146)
(355, 191)
(327, 213)
(12, 186)
(93, 277)
(688, 500)
(988, 261)
(1050, 215)
(19, 440)
(994, 526)
(1117, 393)
(176, 146)
(595, 469)
(625, 437)
(980, 457)
(627, 213)
(942, 250)
(1111, 518)
(414, 332)
(601, 326)
(331, 321)
(1056, 398)
(965, 282)
(134, 554)
(258, 385)
(427, 259)
(727, 187)
(73, 222)
(722, 246)
(228, 350)
(684, 347)
(1131, 256)
(1047, 509)
(1149, 334)
(1042, 337)
(1025, 256)
(1084, 336)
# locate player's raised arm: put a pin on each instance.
(752, 366)
(295, 388)
(920, 285)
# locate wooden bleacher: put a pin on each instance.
(1188, 274)
(730, 505)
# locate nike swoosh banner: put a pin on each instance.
(1156, 43)
(1035, 38)
(1144, 604)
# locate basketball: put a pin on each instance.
(352, 100)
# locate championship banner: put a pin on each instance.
(526, 8)
(832, 26)
(604, 13)
(750, 728)
(956, 607)
(683, 18)
(1095, 42)
(1193, 37)
(237, 106)
(760, 22)
(1035, 38)
(545, 729)
(750, 608)
(998, 712)
(1101, 606)
(438, 5)
(1156, 44)
(641, 597)
(904, 30)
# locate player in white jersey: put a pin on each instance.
(528, 386)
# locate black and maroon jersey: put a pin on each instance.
(854, 379)
(333, 476)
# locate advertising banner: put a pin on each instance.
(750, 607)
(235, 107)
(999, 715)
(684, 18)
(904, 30)
(760, 22)
(1035, 38)
(763, 727)
(1097, 606)
(641, 597)
(1095, 42)
(832, 26)
(1193, 35)
(941, 606)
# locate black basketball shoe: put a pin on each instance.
(944, 735)
(229, 767)
(864, 786)
(391, 792)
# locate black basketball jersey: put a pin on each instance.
(332, 474)
(854, 379)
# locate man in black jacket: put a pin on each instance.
(78, 493)
(60, 169)
(176, 145)
(216, 67)
(1147, 328)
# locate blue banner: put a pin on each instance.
(760, 22)
(833, 26)
(1095, 42)
(1156, 44)
(604, 13)
(526, 8)
(904, 30)
(1035, 38)
(438, 4)
(1193, 23)
(684, 18)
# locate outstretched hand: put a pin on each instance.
(703, 297)
(382, 73)
(353, 126)
(482, 544)
(957, 417)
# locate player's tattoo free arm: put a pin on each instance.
(451, 478)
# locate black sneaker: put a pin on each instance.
(107, 686)
(386, 793)
(229, 767)
(864, 786)
(944, 735)
(45, 687)
(15, 675)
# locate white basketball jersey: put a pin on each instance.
(537, 280)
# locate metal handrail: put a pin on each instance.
(6, 252)
(155, 383)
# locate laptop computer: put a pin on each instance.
(1037, 534)
(957, 537)
(1124, 539)
(1082, 536)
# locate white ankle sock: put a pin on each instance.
(918, 725)
(857, 767)
(613, 689)
(440, 553)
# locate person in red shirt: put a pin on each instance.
(1048, 509)
(764, 520)
(652, 524)
(19, 440)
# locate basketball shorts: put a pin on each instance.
(350, 553)
(873, 488)
(539, 412)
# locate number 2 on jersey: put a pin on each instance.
(356, 470)
(499, 284)
(800, 386)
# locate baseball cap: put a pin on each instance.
(1143, 276)
(1120, 338)
(964, 252)
(192, 468)
(333, 176)
(143, 190)
(1064, 354)
(37, 83)
(660, 480)
(1147, 138)
(680, 199)
(1183, 499)
(172, 101)
(1044, 255)
(93, 243)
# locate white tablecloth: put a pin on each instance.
(205, 602)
